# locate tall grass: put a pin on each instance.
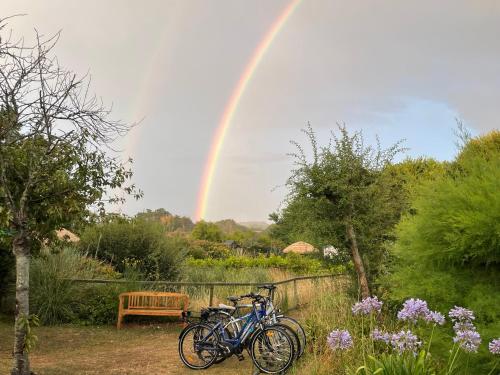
(53, 297)
(329, 308)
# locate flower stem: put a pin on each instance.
(494, 367)
(450, 369)
(430, 339)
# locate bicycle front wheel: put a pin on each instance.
(272, 350)
(198, 346)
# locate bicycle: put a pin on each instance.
(232, 317)
(270, 346)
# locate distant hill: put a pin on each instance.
(258, 226)
(229, 226)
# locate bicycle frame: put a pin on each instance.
(251, 319)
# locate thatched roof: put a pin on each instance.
(64, 234)
(300, 247)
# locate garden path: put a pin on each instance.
(76, 350)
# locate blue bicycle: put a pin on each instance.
(270, 346)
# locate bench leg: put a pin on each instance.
(119, 323)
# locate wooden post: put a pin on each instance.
(295, 293)
(211, 299)
(120, 313)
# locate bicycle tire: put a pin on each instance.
(209, 361)
(275, 333)
(299, 330)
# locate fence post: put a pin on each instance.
(295, 292)
(211, 299)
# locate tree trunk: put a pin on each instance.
(358, 262)
(21, 251)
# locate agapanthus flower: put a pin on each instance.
(494, 346)
(405, 341)
(379, 335)
(339, 340)
(413, 309)
(468, 340)
(463, 326)
(435, 317)
(367, 306)
(461, 314)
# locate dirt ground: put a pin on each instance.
(105, 350)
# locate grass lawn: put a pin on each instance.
(105, 350)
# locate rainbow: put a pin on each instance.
(232, 106)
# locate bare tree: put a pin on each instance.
(53, 138)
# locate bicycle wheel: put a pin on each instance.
(295, 325)
(198, 346)
(293, 336)
(272, 350)
(231, 328)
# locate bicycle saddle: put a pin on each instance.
(233, 298)
(226, 307)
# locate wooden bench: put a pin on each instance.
(151, 304)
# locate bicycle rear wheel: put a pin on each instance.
(272, 350)
(295, 339)
(295, 325)
(198, 346)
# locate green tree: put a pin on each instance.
(155, 215)
(343, 197)
(173, 223)
(448, 247)
(53, 164)
(207, 231)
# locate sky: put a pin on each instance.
(396, 69)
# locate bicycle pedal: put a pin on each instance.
(240, 357)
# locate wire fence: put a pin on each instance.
(289, 294)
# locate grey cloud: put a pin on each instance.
(175, 63)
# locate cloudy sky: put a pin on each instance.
(398, 69)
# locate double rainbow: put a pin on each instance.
(232, 106)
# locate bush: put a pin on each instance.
(53, 297)
(200, 249)
(98, 304)
(448, 251)
(141, 243)
(299, 264)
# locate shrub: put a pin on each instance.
(298, 264)
(98, 304)
(206, 249)
(207, 231)
(53, 297)
(139, 242)
(448, 250)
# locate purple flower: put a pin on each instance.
(461, 314)
(378, 335)
(435, 317)
(413, 309)
(339, 339)
(463, 326)
(494, 346)
(468, 340)
(405, 341)
(367, 306)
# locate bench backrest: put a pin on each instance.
(154, 301)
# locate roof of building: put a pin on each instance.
(300, 247)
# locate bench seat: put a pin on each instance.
(152, 304)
